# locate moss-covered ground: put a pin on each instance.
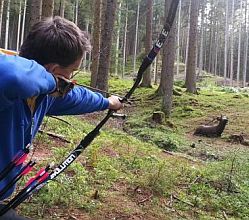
(137, 169)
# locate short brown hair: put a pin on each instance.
(55, 40)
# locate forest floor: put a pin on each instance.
(137, 169)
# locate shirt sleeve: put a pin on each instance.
(21, 79)
(78, 101)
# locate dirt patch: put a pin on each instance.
(122, 204)
(42, 150)
(109, 152)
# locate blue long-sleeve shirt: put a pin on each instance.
(22, 79)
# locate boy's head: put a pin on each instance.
(55, 41)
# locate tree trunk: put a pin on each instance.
(47, 8)
(1, 17)
(124, 41)
(211, 40)
(156, 68)
(118, 38)
(232, 46)
(178, 38)
(7, 25)
(205, 50)
(226, 42)
(167, 73)
(239, 48)
(146, 82)
(187, 44)
(76, 12)
(217, 42)
(36, 8)
(19, 26)
(12, 31)
(245, 48)
(90, 53)
(106, 43)
(201, 45)
(85, 61)
(191, 64)
(95, 43)
(23, 20)
(136, 35)
(214, 47)
(62, 8)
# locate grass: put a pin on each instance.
(128, 174)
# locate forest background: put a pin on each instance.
(142, 169)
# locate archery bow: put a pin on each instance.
(43, 176)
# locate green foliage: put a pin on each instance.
(162, 176)
(222, 187)
(162, 139)
(179, 83)
(82, 78)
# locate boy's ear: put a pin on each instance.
(52, 67)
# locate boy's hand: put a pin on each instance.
(63, 86)
(114, 103)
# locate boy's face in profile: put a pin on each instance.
(65, 72)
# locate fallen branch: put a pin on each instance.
(168, 152)
(225, 215)
(51, 134)
(178, 199)
(182, 156)
(60, 119)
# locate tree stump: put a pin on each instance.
(158, 117)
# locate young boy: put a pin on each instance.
(30, 88)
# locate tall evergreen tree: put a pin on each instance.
(226, 41)
(106, 43)
(190, 81)
(1, 17)
(95, 43)
(168, 59)
(6, 40)
(62, 8)
(245, 46)
(146, 82)
(35, 13)
(47, 8)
